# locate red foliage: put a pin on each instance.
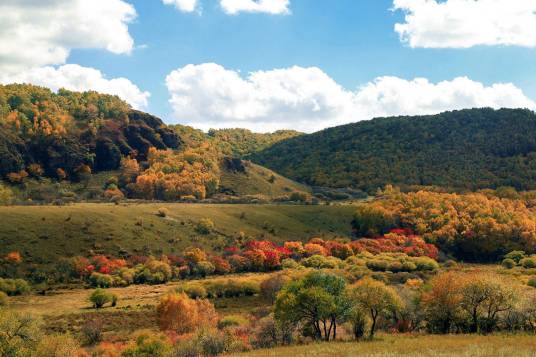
(14, 257)
(395, 242)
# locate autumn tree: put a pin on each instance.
(442, 302)
(376, 298)
(177, 312)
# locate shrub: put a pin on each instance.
(92, 331)
(99, 280)
(14, 286)
(19, 334)
(149, 345)
(57, 345)
(3, 299)
(532, 282)
(6, 195)
(426, 264)
(196, 291)
(204, 268)
(290, 264)
(163, 212)
(204, 226)
(321, 262)
(232, 321)
(515, 255)
(528, 263)
(100, 297)
(271, 286)
(508, 263)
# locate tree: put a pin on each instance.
(177, 312)
(318, 300)
(442, 303)
(376, 298)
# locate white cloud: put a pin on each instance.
(78, 78)
(467, 23)
(307, 99)
(183, 5)
(273, 7)
(36, 33)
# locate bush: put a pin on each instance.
(100, 297)
(149, 345)
(99, 280)
(14, 286)
(92, 331)
(528, 263)
(515, 255)
(321, 262)
(271, 286)
(3, 299)
(57, 345)
(290, 264)
(196, 291)
(508, 263)
(163, 212)
(205, 226)
(532, 282)
(231, 321)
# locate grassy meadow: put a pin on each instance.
(44, 233)
(414, 346)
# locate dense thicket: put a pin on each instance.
(468, 149)
(475, 227)
(57, 134)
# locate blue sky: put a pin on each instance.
(353, 42)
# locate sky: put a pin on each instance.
(267, 65)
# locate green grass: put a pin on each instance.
(259, 180)
(45, 233)
(414, 346)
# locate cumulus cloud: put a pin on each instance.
(78, 78)
(274, 7)
(36, 33)
(307, 99)
(467, 23)
(183, 5)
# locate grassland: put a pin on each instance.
(415, 346)
(259, 180)
(44, 233)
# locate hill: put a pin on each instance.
(60, 144)
(467, 149)
(45, 233)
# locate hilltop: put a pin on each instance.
(467, 149)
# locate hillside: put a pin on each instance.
(468, 149)
(59, 145)
(45, 233)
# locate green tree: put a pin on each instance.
(318, 300)
(376, 298)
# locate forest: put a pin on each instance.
(460, 150)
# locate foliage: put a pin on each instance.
(468, 149)
(375, 298)
(318, 300)
(68, 134)
(100, 297)
(472, 226)
(19, 334)
(14, 286)
(6, 195)
(177, 312)
(57, 346)
(148, 345)
(3, 299)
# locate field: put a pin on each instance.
(44, 233)
(415, 346)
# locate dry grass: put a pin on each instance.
(415, 346)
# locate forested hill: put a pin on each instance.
(43, 133)
(467, 149)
